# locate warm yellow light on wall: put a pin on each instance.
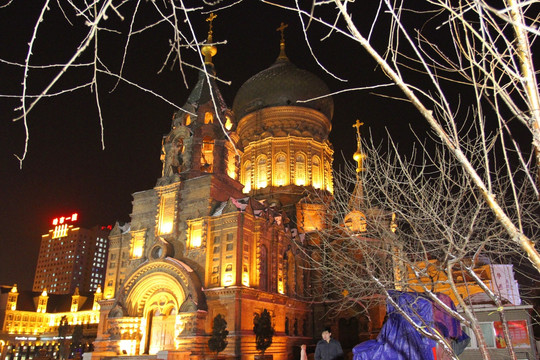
(166, 228)
(228, 280)
(246, 176)
(261, 183)
(312, 221)
(166, 212)
(329, 186)
(196, 237)
(245, 279)
(231, 171)
(300, 182)
(280, 287)
(137, 251)
(128, 347)
(137, 245)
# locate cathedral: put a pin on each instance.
(241, 189)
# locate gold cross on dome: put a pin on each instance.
(210, 19)
(282, 28)
(357, 126)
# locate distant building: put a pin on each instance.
(71, 257)
(29, 322)
(500, 279)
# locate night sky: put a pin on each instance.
(67, 171)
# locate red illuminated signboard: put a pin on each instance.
(518, 333)
(62, 224)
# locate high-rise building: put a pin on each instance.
(71, 257)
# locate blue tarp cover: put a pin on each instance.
(399, 340)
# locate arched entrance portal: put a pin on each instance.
(161, 323)
(156, 297)
(155, 293)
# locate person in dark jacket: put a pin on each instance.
(328, 348)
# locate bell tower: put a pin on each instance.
(202, 139)
(200, 157)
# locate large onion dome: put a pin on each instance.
(283, 84)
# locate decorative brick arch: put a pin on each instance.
(168, 276)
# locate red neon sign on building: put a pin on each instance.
(61, 225)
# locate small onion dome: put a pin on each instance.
(359, 157)
(282, 84)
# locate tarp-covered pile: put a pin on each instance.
(399, 340)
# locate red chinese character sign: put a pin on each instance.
(62, 224)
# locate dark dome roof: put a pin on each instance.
(282, 84)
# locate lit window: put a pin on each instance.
(196, 235)
(316, 173)
(261, 172)
(207, 155)
(137, 246)
(166, 212)
(300, 175)
(281, 170)
(208, 118)
(228, 123)
(246, 176)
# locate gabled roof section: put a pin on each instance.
(28, 301)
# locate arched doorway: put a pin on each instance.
(161, 323)
(154, 297)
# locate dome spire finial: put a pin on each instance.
(209, 50)
(282, 28)
(358, 155)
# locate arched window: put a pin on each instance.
(261, 181)
(228, 123)
(246, 176)
(316, 180)
(300, 170)
(207, 154)
(280, 176)
(208, 118)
